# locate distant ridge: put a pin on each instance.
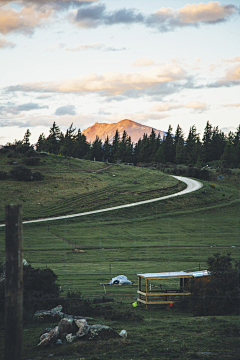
(132, 128)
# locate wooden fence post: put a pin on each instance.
(13, 282)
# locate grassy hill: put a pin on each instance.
(74, 185)
(171, 235)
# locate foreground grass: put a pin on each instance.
(173, 235)
(163, 334)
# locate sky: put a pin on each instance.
(155, 62)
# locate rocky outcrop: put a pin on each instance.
(69, 330)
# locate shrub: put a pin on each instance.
(218, 296)
(40, 290)
(31, 161)
(3, 175)
(21, 173)
(37, 176)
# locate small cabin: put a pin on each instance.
(166, 288)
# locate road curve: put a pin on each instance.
(192, 185)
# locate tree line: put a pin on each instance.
(174, 148)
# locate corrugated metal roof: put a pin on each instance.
(200, 273)
(166, 274)
(175, 274)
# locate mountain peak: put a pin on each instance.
(132, 128)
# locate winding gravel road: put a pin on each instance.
(192, 185)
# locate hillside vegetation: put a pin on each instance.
(75, 185)
(171, 235)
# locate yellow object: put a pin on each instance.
(134, 304)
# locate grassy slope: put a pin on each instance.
(177, 234)
(73, 185)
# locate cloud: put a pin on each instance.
(142, 62)
(195, 105)
(164, 19)
(56, 4)
(227, 130)
(109, 83)
(33, 13)
(93, 16)
(65, 110)
(23, 21)
(57, 47)
(88, 14)
(167, 19)
(231, 105)
(95, 46)
(231, 78)
(6, 44)
(16, 109)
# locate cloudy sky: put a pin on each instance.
(85, 61)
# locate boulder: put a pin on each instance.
(101, 332)
(49, 338)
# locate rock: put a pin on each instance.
(51, 337)
(46, 331)
(43, 336)
(83, 327)
(101, 332)
(65, 326)
(54, 314)
(70, 338)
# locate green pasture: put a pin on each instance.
(74, 185)
(171, 235)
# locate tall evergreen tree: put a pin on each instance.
(218, 144)
(229, 154)
(115, 146)
(107, 150)
(168, 146)
(193, 146)
(53, 140)
(179, 149)
(81, 146)
(207, 143)
(41, 143)
(96, 149)
(67, 142)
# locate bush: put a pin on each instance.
(21, 173)
(31, 161)
(40, 290)
(3, 175)
(37, 176)
(218, 296)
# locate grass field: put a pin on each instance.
(74, 185)
(171, 235)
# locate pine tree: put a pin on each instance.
(207, 143)
(53, 140)
(67, 142)
(115, 146)
(107, 150)
(41, 143)
(193, 146)
(168, 146)
(218, 144)
(26, 138)
(81, 148)
(96, 149)
(179, 148)
(228, 154)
